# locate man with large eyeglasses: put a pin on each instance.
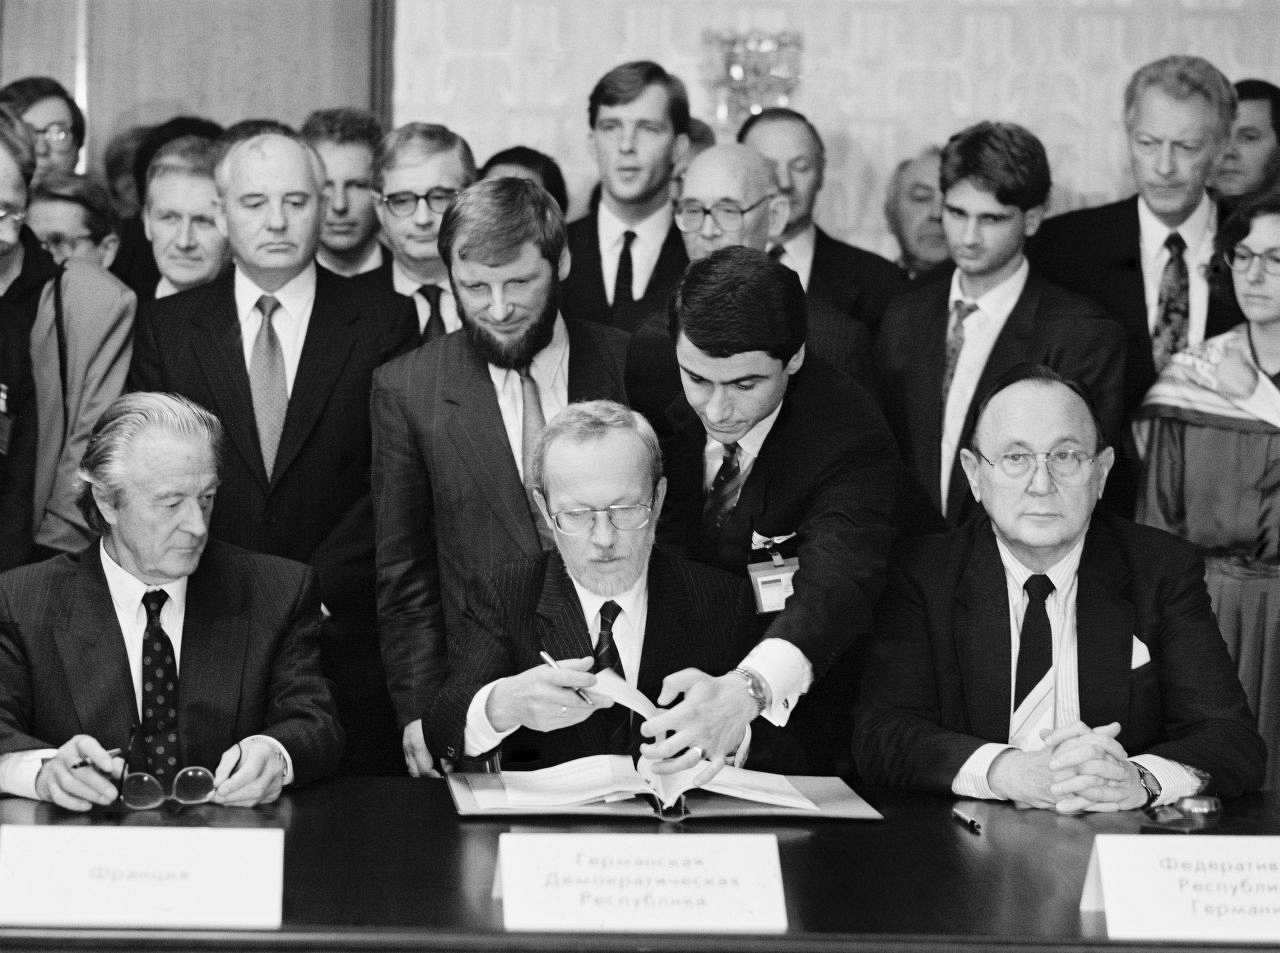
(604, 598)
(155, 648)
(1048, 653)
(421, 168)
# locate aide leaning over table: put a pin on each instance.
(1049, 654)
(234, 633)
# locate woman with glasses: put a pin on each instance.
(1211, 429)
(55, 120)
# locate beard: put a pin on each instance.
(517, 353)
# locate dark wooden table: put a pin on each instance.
(383, 863)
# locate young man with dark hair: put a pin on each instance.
(349, 142)
(944, 342)
(455, 423)
(627, 254)
(772, 451)
(850, 280)
(1254, 145)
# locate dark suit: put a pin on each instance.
(829, 473)
(937, 684)
(450, 504)
(583, 297)
(18, 459)
(378, 289)
(853, 281)
(698, 617)
(315, 508)
(249, 660)
(1047, 325)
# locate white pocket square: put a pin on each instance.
(1141, 654)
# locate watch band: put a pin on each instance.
(1150, 782)
(755, 688)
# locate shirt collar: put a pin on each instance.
(652, 231)
(753, 440)
(296, 296)
(999, 301)
(1195, 231)
(801, 245)
(165, 287)
(127, 589)
(407, 285)
(1060, 573)
(630, 602)
(546, 363)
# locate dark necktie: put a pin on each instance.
(159, 693)
(435, 319)
(616, 720)
(723, 495)
(955, 343)
(532, 423)
(1035, 644)
(776, 252)
(606, 653)
(1174, 305)
(622, 297)
(267, 383)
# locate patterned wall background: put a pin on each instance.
(880, 78)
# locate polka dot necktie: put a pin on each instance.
(159, 693)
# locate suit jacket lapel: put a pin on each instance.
(672, 261)
(924, 396)
(324, 353)
(588, 273)
(588, 377)
(478, 434)
(93, 656)
(1105, 628)
(666, 644)
(982, 638)
(223, 363)
(215, 630)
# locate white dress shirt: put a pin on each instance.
(408, 286)
(645, 247)
(550, 370)
(291, 319)
(18, 770)
(797, 254)
(1055, 701)
(981, 328)
(1197, 231)
(628, 635)
(781, 665)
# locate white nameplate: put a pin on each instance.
(641, 883)
(141, 876)
(1180, 887)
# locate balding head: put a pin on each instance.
(730, 177)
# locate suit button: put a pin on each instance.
(451, 752)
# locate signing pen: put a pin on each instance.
(552, 662)
(968, 820)
(85, 762)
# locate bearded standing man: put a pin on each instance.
(455, 423)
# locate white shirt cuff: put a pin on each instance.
(1175, 780)
(281, 751)
(480, 737)
(787, 673)
(18, 771)
(971, 780)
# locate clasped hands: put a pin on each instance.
(249, 773)
(1079, 769)
(708, 723)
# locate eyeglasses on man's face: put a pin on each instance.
(57, 135)
(624, 517)
(404, 204)
(1065, 466)
(728, 216)
(9, 215)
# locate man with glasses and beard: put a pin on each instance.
(455, 424)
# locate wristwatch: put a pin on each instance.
(755, 688)
(1150, 782)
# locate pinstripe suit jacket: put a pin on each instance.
(448, 502)
(698, 617)
(249, 661)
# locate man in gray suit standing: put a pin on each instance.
(455, 423)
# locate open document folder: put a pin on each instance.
(612, 785)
